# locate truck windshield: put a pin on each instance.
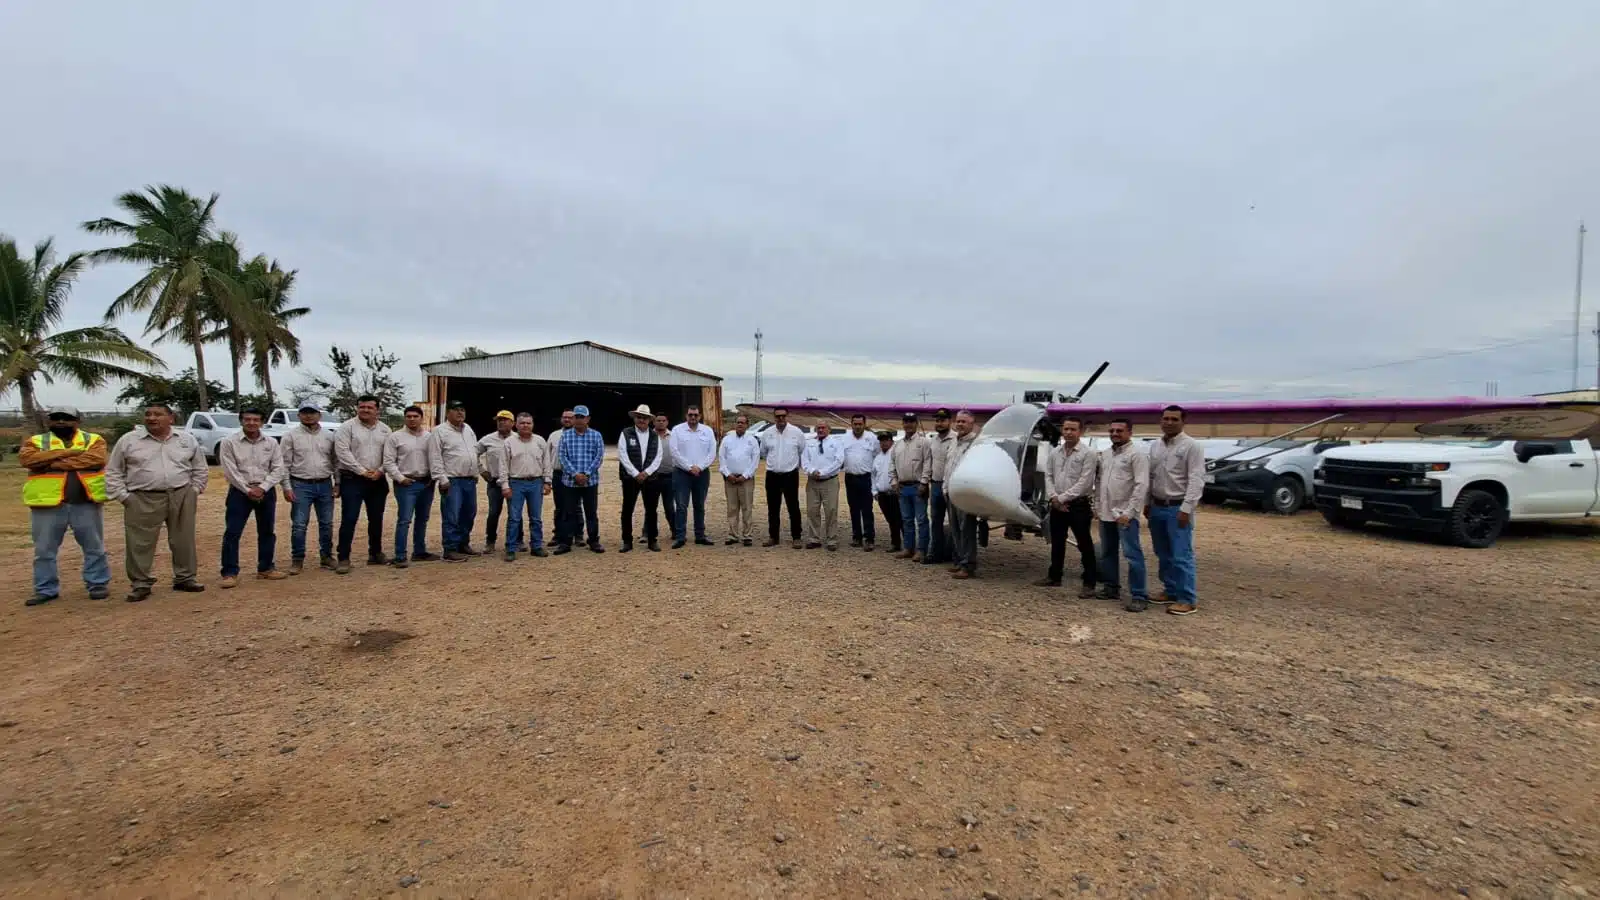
(1476, 445)
(224, 420)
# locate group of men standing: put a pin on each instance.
(158, 472)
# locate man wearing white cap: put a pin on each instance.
(491, 457)
(66, 487)
(638, 460)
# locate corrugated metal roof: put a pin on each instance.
(582, 361)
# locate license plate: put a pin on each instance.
(1211, 479)
(1350, 502)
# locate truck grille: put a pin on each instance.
(1360, 473)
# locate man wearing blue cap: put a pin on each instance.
(581, 452)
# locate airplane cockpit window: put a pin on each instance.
(1012, 429)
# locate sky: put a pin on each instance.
(1224, 200)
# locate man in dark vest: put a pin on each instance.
(638, 460)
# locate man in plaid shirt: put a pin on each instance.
(581, 452)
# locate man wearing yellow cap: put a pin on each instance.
(65, 489)
(491, 462)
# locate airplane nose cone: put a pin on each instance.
(987, 484)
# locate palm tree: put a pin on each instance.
(273, 341)
(189, 283)
(33, 298)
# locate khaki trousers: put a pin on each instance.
(143, 514)
(822, 511)
(741, 507)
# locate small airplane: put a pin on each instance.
(1000, 479)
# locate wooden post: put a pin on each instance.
(711, 407)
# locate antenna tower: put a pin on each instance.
(759, 386)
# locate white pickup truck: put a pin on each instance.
(1272, 475)
(209, 428)
(279, 421)
(1465, 490)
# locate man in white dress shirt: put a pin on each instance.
(886, 488)
(822, 459)
(694, 449)
(860, 449)
(639, 454)
(737, 459)
(781, 446)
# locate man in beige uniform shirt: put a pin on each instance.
(963, 525)
(1121, 484)
(358, 447)
(157, 474)
(252, 464)
(491, 453)
(1069, 486)
(523, 484)
(1177, 479)
(405, 461)
(912, 460)
(453, 460)
(308, 457)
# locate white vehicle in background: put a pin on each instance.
(209, 428)
(1464, 490)
(1273, 475)
(279, 421)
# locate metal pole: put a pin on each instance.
(1577, 306)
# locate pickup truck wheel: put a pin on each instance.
(1476, 520)
(1339, 518)
(1287, 495)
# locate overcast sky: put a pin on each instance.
(1221, 198)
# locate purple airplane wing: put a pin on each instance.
(1365, 419)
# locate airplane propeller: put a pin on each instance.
(1078, 397)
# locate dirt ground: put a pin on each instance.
(1349, 715)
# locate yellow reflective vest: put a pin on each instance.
(49, 489)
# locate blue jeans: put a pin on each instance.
(914, 519)
(526, 493)
(236, 511)
(687, 488)
(50, 529)
(1113, 536)
(306, 495)
(1174, 553)
(457, 508)
(412, 504)
(938, 535)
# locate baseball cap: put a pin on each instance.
(310, 407)
(909, 417)
(581, 410)
(885, 435)
(505, 414)
(941, 413)
(63, 412)
(456, 404)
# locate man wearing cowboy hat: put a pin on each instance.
(638, 460)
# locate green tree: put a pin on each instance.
(346, 381)
(181, 392)
(273, 341)
(33, 298)
(188, 283)
(469, 352)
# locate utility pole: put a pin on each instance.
(758, 386)
(1577, 306)
(1597, 355)
(924, 396)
